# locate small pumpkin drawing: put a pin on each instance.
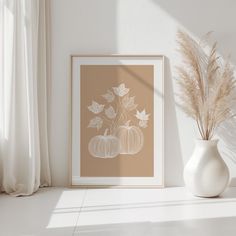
(104, 146)
(131, 138)
(113, 112)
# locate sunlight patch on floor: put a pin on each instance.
(67, 209)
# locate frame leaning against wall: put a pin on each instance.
(120, 182)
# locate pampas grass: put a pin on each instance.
(207, 86)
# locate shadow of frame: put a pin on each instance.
(172, 140)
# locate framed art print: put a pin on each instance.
(117, 121)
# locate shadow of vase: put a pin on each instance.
(226, 133)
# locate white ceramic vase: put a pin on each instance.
(206, 174)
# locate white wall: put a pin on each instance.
(133, 27)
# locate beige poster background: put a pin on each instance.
(95, 80)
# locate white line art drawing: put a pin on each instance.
(131, 138)
(120, 118)
(142, 115)
(128, 103)
(110, 112)
(96, 122)
(143, 123)
(96, 108)
(109, 96)
(104, 146)
(121, 90)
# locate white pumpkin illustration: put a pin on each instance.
(131, 138)
(104, 146)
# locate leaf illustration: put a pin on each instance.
(96, 107)
(96, 122)
(121, 90)
(142, 115)
(109, 96)
(128, 103)
(143, 123)
(110, 112)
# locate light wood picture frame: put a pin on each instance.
(117, 119)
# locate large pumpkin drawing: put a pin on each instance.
(131, 139)
(104, 146)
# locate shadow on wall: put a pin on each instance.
(227, 133)
(200, 17)
(173, 164)
(80, 27)
(171, 133)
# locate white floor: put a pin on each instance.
(132, 212)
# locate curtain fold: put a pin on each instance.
(24, 68)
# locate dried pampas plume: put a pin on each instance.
(207, 87)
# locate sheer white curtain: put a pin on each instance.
(24, 158)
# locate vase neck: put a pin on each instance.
(206, 143)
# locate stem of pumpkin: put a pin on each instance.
(106, 131)
(117, 119)
(127, 123)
